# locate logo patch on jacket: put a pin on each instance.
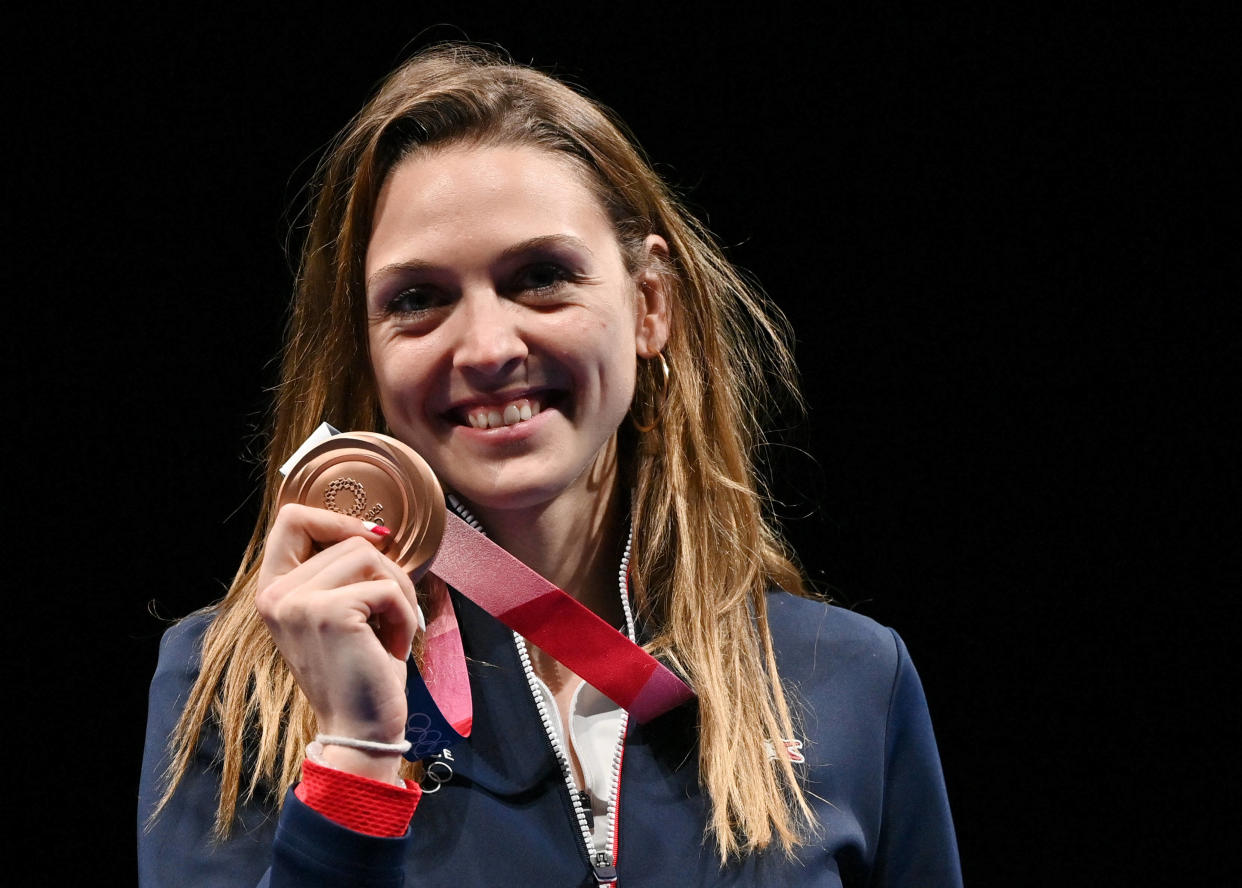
(793, 748)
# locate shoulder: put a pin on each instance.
(180, 653)
(183, 640)
(186, 632)
(809, 628)
(834, 659)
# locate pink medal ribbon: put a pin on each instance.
(377, 478)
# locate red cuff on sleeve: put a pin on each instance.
(358, 803)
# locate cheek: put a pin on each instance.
(397, 383)
(603, 351)
(617, 371)
(381, 372)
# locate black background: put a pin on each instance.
(998, 236)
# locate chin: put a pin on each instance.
(484, 502)
(515, 487)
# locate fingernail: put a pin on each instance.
(377, 529)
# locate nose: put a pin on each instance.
(489, 343)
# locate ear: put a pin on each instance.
(651, 305)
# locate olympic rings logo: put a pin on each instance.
(424, 739)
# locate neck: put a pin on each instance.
(575, 540)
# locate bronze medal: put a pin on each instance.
(373, 477)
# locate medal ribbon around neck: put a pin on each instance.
(378, 478)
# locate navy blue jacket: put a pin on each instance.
(504, 818)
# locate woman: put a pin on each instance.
(495, 276)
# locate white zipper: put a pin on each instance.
(579, 812)
(623, 587)
(604, 864)
(611, 835)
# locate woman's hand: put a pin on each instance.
(344, 617)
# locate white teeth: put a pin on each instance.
(510, 414)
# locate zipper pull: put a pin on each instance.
(605, 872)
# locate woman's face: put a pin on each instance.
(503, 325)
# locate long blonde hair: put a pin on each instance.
(697, 491)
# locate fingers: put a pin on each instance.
(295, 565)
(383, 605)
(305, 541)
(348, 561)
(313, 620)
(395, 618)
(300, 531)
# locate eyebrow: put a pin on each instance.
(543, 241)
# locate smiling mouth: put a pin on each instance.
(494, 416)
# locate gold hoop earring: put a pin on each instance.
(657, 406)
